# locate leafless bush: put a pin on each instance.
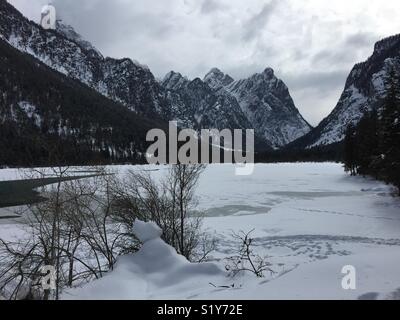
(84, 225)
(73, 231)
(245, 260)
(207, 243)
(169, 202)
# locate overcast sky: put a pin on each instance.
(311, 44)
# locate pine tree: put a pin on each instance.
(367, 144)
(350, 158)
(390, 131)
(373, 146)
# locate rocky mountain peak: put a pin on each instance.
(269, 73)
(174, 81)
(198, 84)
(216, 79)
(266, 102)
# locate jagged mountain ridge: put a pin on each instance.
(70, 33)
(262, 102)
(197, 104)
(364, 89)
(267, 104)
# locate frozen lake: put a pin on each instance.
(310, 219)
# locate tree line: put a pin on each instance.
(372, 147)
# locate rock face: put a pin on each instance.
(216, 79)
(261, 102)
(69, 32)
(196, 105)
(267, 104)
(364, 89)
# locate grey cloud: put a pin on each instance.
(310, 46)
(316, 93)
(210, 6)
(112, 24)
(257, 23)
(350, 50)
(361, 39)
(317, 80)
(336, 57)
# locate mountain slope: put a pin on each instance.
(63, 50)
(195, 104)
(363, 91)
(261, 102)
(47, 118)
(267, 104)
(69, 32)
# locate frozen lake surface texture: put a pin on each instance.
(309, 219)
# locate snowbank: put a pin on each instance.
(155, 269)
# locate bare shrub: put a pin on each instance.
(72, 231)
(245, 260)
(170, 203)
(84, 225)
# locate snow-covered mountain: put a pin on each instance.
(195, 104)
(47, 118)
(363, 91)
(217, 79)
(70, 33)
(122, 80)
(266, 102)
(261, 102)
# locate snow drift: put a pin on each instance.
(155, 268)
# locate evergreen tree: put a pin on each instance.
(373, 146)
(367, 144)
(390, 130)
(350, 154)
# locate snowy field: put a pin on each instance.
(310, 219)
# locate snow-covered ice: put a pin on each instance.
(309, 219)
